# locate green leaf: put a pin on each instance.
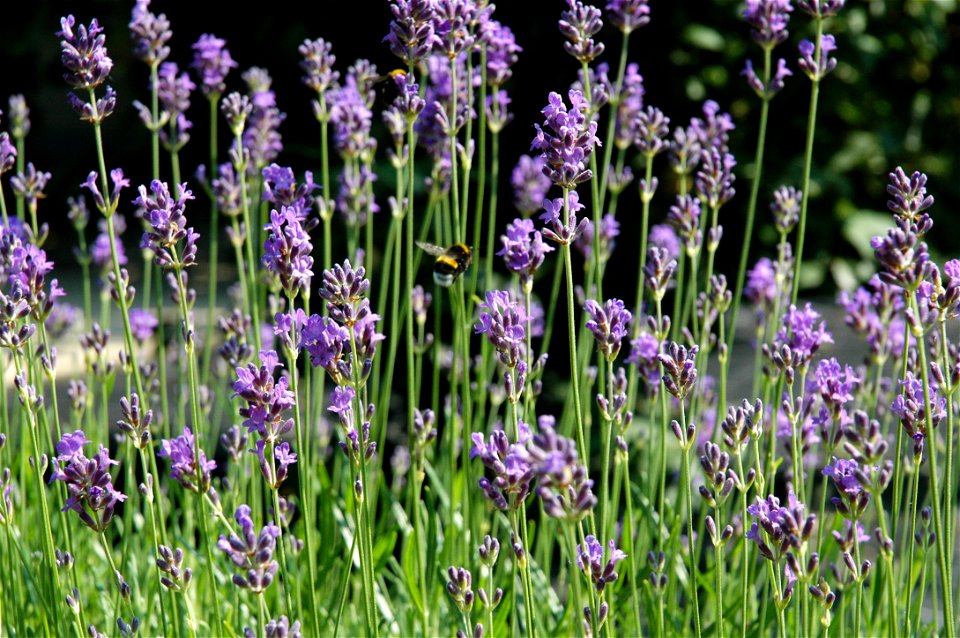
(860, 227)
(703, 37)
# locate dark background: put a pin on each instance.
(893, 100)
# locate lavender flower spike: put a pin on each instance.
(168, 225)
(608, 323)
(183, 462)
(578, 24)
(252, 552)
(566, 140)
(628, 15)
(83, 53)
(150, 33)
(590, 562)
(212, 62)
(287, 251)
(89, 486)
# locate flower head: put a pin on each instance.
(317, 64)
(412, 35)
(212, 62)
(566, 140)
(83, 53)
(184, 467)
(523, 249)
(530, 184)
(513, 472)
(808, 62)
(251, 552)
(286, 251)
(608, 323)
(90, 491)
(578, 24)
(267, 399)
(503, 321)
(590, 557)
(768, 19)
(150, 33)
(167, 225)
(628, 15)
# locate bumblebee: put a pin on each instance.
(451, 261)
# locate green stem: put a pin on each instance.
(807, 163)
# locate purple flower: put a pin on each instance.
(341, 404)
(174, 88)
(808, 63)
(267, 399)
(412, 36)
(344, 289)
(684, 217)
(834, 385)
(771, 88)
(286, 251)
(212, 62)
(228, 191)
(452, 22)
(779, 529)
(183, 462)
(679, 369)
(150, 34)
(8, 153)
(503, 321)
(768, 19)
(261, 135)
(30, 185)
(629, 104)
(909, 195)
(351, 119)
(502, 50)
(590, 561)
(143, 323)
(83, 53)
(652, 127)
(846, 475)
(715, 178)
(608, 323)
(665, 237)
(566, 140)
(628, 15)
(288, 328)
(802, 333)
(317, 64)
(510, 464)
(578, 24)
(843, 473)
(280, 188)
(564, 488)
(90, 491)
(274, 473)
(609, 230)
(523, 249)
(355, 199)
(251, 552)
(530, 184)
(643, 354)
(713, 130)
(101, 255)
(912, 409)
(167, 225)
(324, 340)
(563, 231)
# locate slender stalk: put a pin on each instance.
(306, 499)
(213, 99)
(807, 163)
(949, 627)
(688, 495)
(752, 204)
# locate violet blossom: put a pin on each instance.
(590, 557)
(184, 468)
(90, 490)
(608, 323)
(252, 552)
(566, 140)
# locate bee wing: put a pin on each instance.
(431, 249)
